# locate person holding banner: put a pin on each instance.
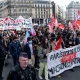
(43, 50)
(77, 39)
(69, 40)
(54, 45)
(70, 43)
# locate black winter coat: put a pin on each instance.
(27, 50)
(17, 73)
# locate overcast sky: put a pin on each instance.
(64, 3)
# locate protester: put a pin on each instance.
(69, 40)
(42, 53)
(35, 44)
(15, 49)
(28, 48)
(77, 39)
(22, 71)
(2, 57)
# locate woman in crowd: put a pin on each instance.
(43, 50)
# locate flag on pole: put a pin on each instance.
(76, 19)
(71, 26)
(78, 12)
(33, 32)
(26, 36)
(58, 46)
(51, 24)
(78, 24)
(56, 23)
(61, 26)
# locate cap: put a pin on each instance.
(23, 54)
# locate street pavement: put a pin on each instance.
(67, 75)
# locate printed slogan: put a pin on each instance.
(63, 59)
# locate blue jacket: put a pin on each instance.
(15, 48)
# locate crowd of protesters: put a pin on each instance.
(37, 47)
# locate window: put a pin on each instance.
(22, 10)
(39, 15)
(36, 5)
(39, 5)
(15, 10)
(19, 10)
(25, 10)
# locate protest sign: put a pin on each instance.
(63, 59)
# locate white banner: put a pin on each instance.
(18, 24)
(63, 59)
(27, 22)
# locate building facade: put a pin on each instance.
(39, 10)
(72, 10)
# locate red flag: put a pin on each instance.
(75, 24)
(78, 12)
(50, 29)
(71, 26)
(61, 26)
(52, 21)
(78, 23)
(6, 18)
(51, 24)
(56, 23)
(75, 20)
(59, 43)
